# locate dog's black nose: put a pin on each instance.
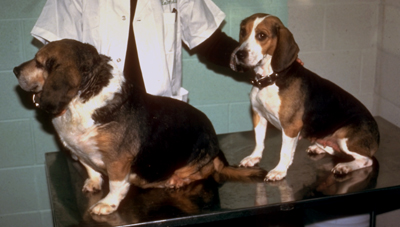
(16, 71)
(241, 55)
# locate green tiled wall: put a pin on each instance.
(25, 135)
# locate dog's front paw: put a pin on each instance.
(250, 161)
(103, 208)
(92, 185)
(275, 175)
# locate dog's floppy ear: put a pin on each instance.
(60, 87)
(94, 70)
(286, 50)
(87, 57)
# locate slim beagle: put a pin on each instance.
(299, 102)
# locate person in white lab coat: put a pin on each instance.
(143, 37)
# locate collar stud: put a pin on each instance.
(262, 82)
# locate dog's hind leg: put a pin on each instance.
(317, 148)
(359, 161)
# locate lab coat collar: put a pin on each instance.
(140, 6)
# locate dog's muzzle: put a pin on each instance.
(237, 60)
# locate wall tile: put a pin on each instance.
(330, 2)
(43, 199)
(18, 9)
(47, 219)
(15, 103)
(351, 26)
(218, 115)
(368, 71)
(340, 67)
(30, 45)
(389, 78)
(391, 36)
(306, 22)
(212, 87)
(45, 137)
(10, 45)
(240, 117)
(387, 92)
(18, 193)
(264, 4)
(368, 101)
(392, 3)
(17, 148)
(389, 111)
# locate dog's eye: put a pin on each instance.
(50, 63)
(261, 36)
(39, 65)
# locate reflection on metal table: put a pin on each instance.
(309, 185)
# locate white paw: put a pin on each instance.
(275, 175)
(342, 168)
(92, 185)
(250, 161)
(315, 149)
(102, 208)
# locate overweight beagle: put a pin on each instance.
(299, 102)
(117, 130)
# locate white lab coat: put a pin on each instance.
(159, 26)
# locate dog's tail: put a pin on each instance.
(226, 172)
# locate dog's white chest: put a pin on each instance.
(267, 103)
(76, 128)
(77, 132)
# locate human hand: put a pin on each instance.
(300, 61)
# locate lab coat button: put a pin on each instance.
(123, 18)
(119, 60)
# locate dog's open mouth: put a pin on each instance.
(36, 96)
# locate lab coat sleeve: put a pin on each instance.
(199, 20)
(59, 20)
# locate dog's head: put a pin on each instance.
(263, 35)
(55, 74)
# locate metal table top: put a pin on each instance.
(309, 184)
